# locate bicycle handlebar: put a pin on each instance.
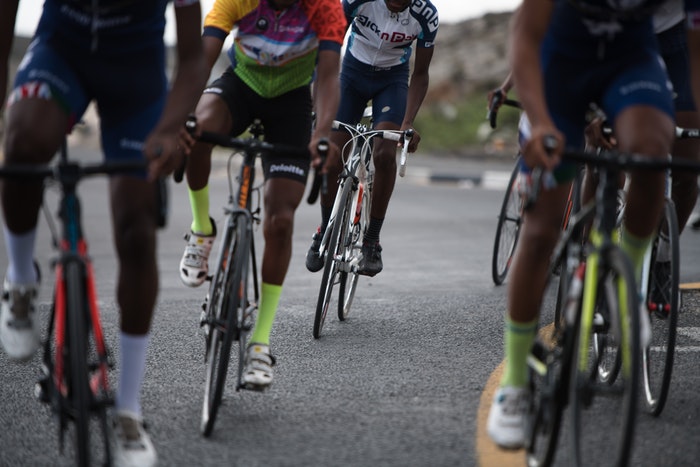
(408, 134)
(497, 100)
(66, 172)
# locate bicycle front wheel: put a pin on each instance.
(218, 322)
(663, 303)
(362, 200)
(76, 343)
(335, 255)
(507, 230)
(603, 412)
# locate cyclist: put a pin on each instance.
(376, 68)
(277, 47)
(113, 54)
(564, 55)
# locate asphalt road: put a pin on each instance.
(400, 383)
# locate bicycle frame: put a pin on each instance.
(76, 360)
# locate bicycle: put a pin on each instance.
(510, 215)
(230, 306)
(600, 315)
(76, 359)
(341, 244)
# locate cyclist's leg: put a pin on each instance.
(56, 100)
(215, 113)
(287, 120)
(388, 109)
(643, 124)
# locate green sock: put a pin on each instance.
(269, 299)
(199, 201)
(518, 340)
(635, 248)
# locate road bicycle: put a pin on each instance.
(660, 290)
(600, 316)
(230, 306)
(510, 216)
(76, 360)
(341, 244)
(603, 320)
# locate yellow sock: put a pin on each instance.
(269, 300)
(199, 202)
(518, 341)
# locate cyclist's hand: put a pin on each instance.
(415, 139)
(316, 159)
(164, 154)
(495, 99)
(596, 138)
(536, 154)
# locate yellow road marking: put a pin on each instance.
(690, 286)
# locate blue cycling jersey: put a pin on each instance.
(105, 25)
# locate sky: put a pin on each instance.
(449, 11)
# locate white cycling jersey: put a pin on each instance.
(382, 38)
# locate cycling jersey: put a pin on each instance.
(113, 54)
(275, 51)
(105, 25)
(382, 38)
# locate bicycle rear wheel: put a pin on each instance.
(508, 229)
(603, 412)
(335, 255)
(352, 248)
(663, 302)
(76, 343)
(219, 322)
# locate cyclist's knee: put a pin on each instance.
(279, 225)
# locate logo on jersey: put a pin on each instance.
(262, 24)
(427, 11)
(395, 36)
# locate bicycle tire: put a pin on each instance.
(219, 333)
(353, 246)
(508, 229)
(657, 358)
(334, 254)
(616, 402)
(79, 390)
(549, 387)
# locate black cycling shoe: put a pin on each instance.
(371, 263)
(314, 260)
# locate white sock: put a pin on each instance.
(132, 367)
(20, 255)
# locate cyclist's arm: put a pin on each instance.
(528, 27)
(417, 90)
(326, 97)
(8, 13)
(190, 77)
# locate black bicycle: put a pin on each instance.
(230, 307)
(76, 359)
